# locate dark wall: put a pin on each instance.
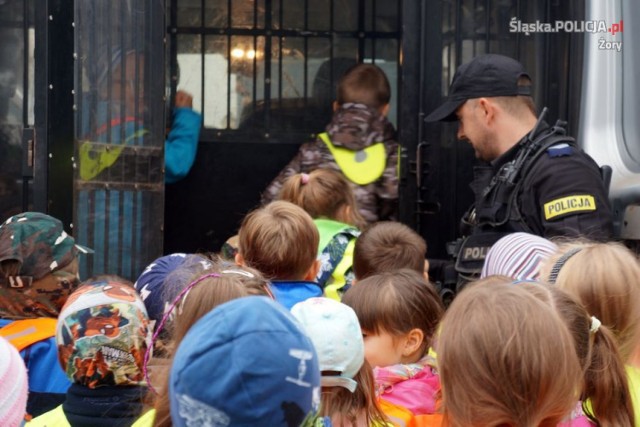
(206, 208)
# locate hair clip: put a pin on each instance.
(595, 324)
(240, 272)
(304, 178)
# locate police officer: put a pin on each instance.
(535, 178)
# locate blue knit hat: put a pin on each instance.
(246, 363)
(164, 278)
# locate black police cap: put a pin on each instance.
(484, 76)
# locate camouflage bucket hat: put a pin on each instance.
(38, 242)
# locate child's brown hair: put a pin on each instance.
(338, 402)
(396, 302)
(221, 283)
(605, 379)
(323, 193)
(364, 84)
(498, 365)
(279, 240)
(388, 246)
(605, 279)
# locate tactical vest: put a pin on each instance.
(361, 167)
(496, 212)
(496, 207)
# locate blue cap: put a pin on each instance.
(246, 363)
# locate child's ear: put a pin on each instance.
(384, 110)
(344, 214)
(313, 271)
(335, 106)
(240, 260)
(413, 342)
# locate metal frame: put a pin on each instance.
(270, 32)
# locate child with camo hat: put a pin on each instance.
(102, 334)
(38, 271)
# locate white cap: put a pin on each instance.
(336, 335)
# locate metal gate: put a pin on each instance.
(119, 133)
(17, 63)
(263, 74)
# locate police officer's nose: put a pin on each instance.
(460, 134)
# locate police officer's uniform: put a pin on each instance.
(561, 194)
(556, 189)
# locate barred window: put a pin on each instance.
(270, 67)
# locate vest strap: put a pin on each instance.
(338, 277)
(361, 167)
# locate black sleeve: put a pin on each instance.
(565, 196)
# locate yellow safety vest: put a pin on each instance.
(362, 167)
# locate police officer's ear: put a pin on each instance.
(335, 106)
(487, 109)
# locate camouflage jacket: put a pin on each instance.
(355, 127)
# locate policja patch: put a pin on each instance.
(569, 205)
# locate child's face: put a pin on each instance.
(382, 349)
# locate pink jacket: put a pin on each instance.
(414, 386)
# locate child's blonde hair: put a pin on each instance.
(505, 358)
(388, 246)
(396, 302)
(280, 240)
(221, 283)
(605, 379)
(323, 193)
(605, 279)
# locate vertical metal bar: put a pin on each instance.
(458, 33)
(91, 229)
(280, 59)
(25, 63)
(332, 40)
(474, 37)
(92, 59)
(123, 77)
(267, 65)
(255, 55)
(488, 27)
(203, 56)
(25, 99)
(373, 27)
(305, 71)
(361, 30)
(108, 76)
(173, 50)
(229, 12)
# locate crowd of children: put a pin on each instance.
(312, 317)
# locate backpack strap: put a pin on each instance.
(26, 332)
